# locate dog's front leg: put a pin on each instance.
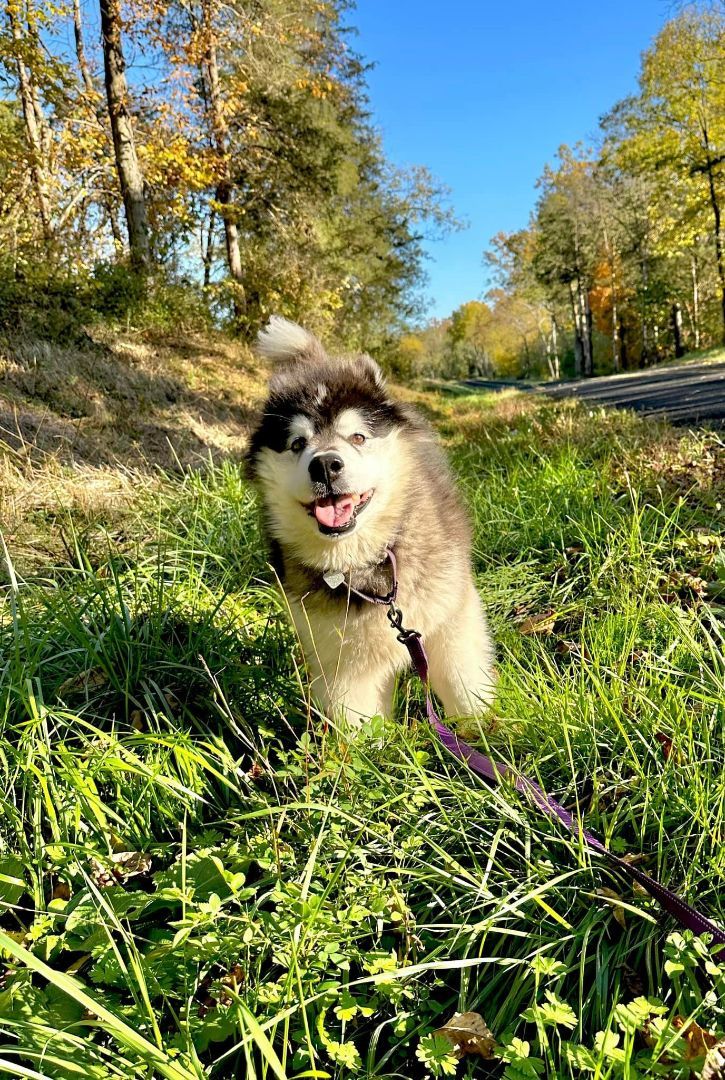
(351, 697)
(460, 657)
(352, 676)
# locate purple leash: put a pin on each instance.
(685, 914)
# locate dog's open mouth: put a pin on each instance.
(337, 513)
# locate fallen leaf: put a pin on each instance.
(714, 1067)
(172, 701)
(538, 624)
(699, 1041)
(614, 899)
(123, 865)
(100, 875)
(233, 981)
(665, 742)
(235, 977)
(468, 1034)
(85, 680)
(129, 863)
(574, 649)
(61, 891)
(680, 586)
(668, 750)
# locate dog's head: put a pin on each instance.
(330, 453)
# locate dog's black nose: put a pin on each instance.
(324, 468)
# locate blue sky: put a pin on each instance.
(484, 93)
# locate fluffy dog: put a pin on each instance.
(345, 472)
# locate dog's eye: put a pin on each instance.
(358, 439)
(297, 445)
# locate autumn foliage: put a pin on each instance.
(222, 149)
(623, 261)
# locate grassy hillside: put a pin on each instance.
(197, 879)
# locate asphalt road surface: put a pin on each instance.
(685, 393)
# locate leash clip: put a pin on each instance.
(395, 618)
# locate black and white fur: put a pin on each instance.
(345, 472)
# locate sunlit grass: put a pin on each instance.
(199, 880)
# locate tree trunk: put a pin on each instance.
(615, 350)
(578, 351)
(695, 301)
(676, 315)
(645, 353)
(719, 240)
(586, 330)
(81, 50)
(527, 356)
(207, 247)
(130, 177)
(556, 373)
(220, 133)
(34, 123)
(109, 206)
(609, 247)
(623, 347)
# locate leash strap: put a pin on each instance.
(685, 914)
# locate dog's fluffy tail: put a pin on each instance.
(281, 340)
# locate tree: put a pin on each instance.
(683, 110)
(510, 258)
(567, 244)
(21, 21)
(130, 177)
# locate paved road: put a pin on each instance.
(684, 393)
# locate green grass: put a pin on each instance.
(197, 879)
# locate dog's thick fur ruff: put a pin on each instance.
(392, 473)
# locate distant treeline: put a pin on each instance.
(623, 262)
(194, 159)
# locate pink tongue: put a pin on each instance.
(335, 514)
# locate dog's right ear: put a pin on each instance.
(282, 341)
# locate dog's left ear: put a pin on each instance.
(372, 368)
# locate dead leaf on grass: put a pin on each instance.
(130, 863)
(699, 1041)
(614, 899)
(714, 1067)
(469, 1034)
(85, 680)
(682, 587)
(538, 624)
(231, 984)
(634, 857)
(123, 865)
(100, 875)
(668, 747)
(574, 649)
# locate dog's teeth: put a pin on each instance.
(333, 578)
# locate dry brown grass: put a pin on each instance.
(139, 400)
(87, 431)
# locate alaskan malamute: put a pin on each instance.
(345, 473)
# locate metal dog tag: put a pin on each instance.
(333, 578)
